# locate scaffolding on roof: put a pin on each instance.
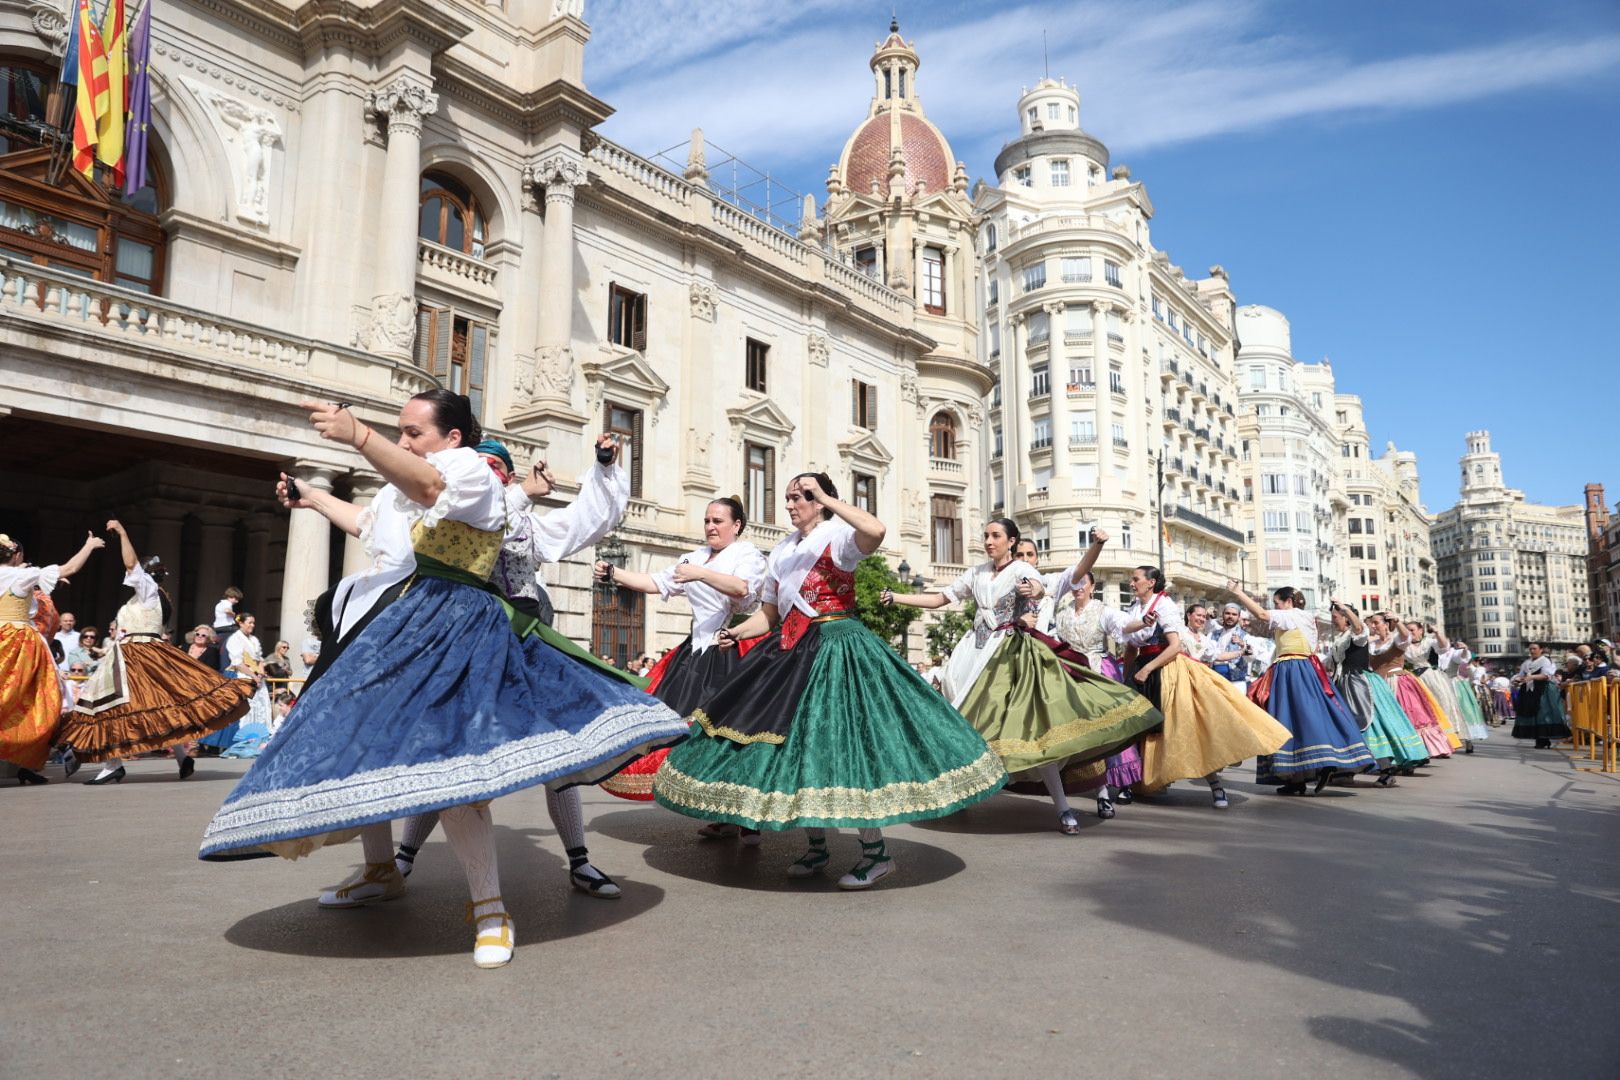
(753, 191)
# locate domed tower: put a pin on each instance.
(898, 211)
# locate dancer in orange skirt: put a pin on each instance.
(145, 694)
(30, 694)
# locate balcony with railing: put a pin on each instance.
(1206, 524)
(1082, 438)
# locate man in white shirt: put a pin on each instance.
(68, 635)
(1228, 649)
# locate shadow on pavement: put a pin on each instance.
(673, 847)
(427, 921)
(1485, 937)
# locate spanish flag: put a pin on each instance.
(110, 124)
(92, 100)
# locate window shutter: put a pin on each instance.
(770, 487)
(871, 407)
(424, 337)
(637, 454)
(477, 363)
(443, 329)
(855, 401)
(638, 335)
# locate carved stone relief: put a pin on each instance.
(250, 134)
(820, 349)
(702, 295)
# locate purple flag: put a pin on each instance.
(140, 101)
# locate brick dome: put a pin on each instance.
(866, 156)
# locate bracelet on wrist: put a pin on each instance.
(363, 440)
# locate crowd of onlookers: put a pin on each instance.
(230, 647)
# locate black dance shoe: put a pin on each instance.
(114, 777)
(187, 767)
(25, 777)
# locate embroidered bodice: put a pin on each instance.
(1083, 629)
(1293, 643)
(828, 589)
(458, 544)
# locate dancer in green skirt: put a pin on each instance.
(1015, 691)
(822, 724)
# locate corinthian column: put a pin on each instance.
(558, 172)
(401, 106)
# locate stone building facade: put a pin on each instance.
(358, 202)
(1115, 369)
(1511, 572)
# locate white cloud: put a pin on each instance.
(783, 85)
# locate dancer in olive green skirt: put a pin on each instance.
(1015, 691)
(822, 724)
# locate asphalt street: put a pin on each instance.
(1463, 924)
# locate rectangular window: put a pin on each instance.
(1356, 551)
(993, 293)
(1257, 378)
(1116, 327)
(1279, 559)
(1034, 277)
(947, 530)
(1085, 476)
(995, 339)
(1118, 432)
(865, 493)
(1083, 433)
(1077, 270)
(759, 469)
(1052, 111)
(1369, 529)
(1355, 527)
(1021, 176)
(1040, 383)
(933, 280)
(1125, 537)
(1111, 273)
(866, 261)
(1276, 521)
(625, 422)
(1040, 327)
(1060, 171)
(1304, 559)
(863, 404)
(1274, 483)
(758, 353)
(1302, 523)
(455, 350)
(1158, 309)
(1080, 377)
(627, 318)
(997, 445)
(1040, 434)
(1116, 381)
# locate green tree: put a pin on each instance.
(872, 576)
(948, 628)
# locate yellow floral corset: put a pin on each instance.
(13, 608)
(1292, 643)
(455, 543)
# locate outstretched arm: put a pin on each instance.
(928, 600)
(124, 544)
(1247, 601)
(92, 542)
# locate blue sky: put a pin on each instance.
(1429, 190)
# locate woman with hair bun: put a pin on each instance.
(823, 725)
(721, 580)
(1038, 716)
(30, 691)
(145, 694)
(1208, 723)
(1324, 736)
(434, 693)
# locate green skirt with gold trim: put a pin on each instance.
(1033, 713)
(870, 743)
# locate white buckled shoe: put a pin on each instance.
(373, 884)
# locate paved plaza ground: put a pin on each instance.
(1464, 924)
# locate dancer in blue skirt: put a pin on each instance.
(436, 695)
(1295, 690)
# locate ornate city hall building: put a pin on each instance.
(356, 202)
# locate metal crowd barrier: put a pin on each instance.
(1594, 719)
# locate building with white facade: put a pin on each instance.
(1511, 572)
(354, 203)
(1115, 368)
(1293, 483)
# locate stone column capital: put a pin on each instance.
(364, 484)
(559, 171)
(403, 103)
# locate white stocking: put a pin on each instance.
(471, 833)
(1052, 777)
(377, 841)
(417, 830)
(568, 815)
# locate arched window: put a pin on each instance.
(53, 216)
(942, 437)
(451, 215)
